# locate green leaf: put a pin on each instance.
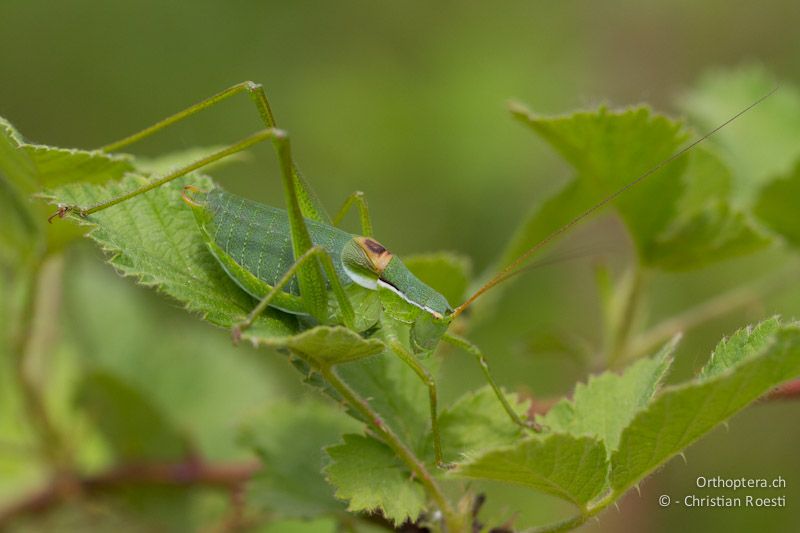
(27, 169)
(746, 367)
(760, 145)
(34, 167)
(606, 404)
(368, 475)
(289, 438)
(609, 149)
(328, 346)
(14, 162)
(705, 236)
(708, 178)
(572, 468)
(134, 428)
(448, 273)
(20, 229)
(739, 346)
(59, 166)
(397, 394)
(168, 365)
(777, 206)
(708, 227)
(154, 237)
(477, 421)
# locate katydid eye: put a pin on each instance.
(376, 253)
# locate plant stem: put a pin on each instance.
(787, 391)
(712, 308)
(21, 344)
(621, 329)
(192, 472)
(564, 525)
(452, 521)
(577, 520)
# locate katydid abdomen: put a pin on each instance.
(252, 242)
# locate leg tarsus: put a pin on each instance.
(62, 211)
(467, 346)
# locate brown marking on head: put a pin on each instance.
(378, 255)
(374, 246)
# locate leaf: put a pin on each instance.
(166, 355)
(760, 145)
(368, 475)
(21, 232)
(289, 439)
(59, 166)
(572, 468)
(477, 421)
(154, 237)
(34, 167)
(27, 169)
(739, 346)
(397, 394)
(708, 235)
(329, 346)
(448, 273)
(608, 149)
(17, 167)
(135, 429)
(681, 414)
(708, 178)
(606, 404)
(708, 228)
(777, 206)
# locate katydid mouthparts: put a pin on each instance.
(296, 260)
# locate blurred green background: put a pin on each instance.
(406, 102)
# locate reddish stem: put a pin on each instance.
(787, 391)
(189, 473)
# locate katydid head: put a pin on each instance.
(406, 297)
(371, 265)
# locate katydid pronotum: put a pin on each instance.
(298, 261)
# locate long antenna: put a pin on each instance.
(511, 269)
